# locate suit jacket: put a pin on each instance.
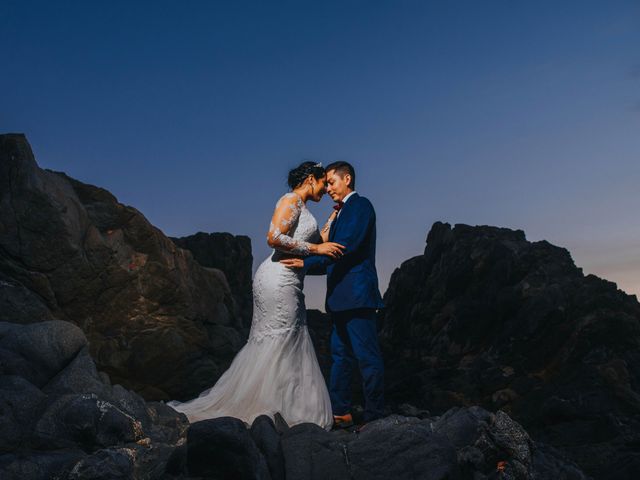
(352, 279)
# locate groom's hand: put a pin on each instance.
(292, 262)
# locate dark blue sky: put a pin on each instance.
(516, 114)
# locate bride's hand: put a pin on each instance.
(331, 249)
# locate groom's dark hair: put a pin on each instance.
(342, 168)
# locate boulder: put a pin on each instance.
(266, 437)
(107, 464)
(39, 465)
(20, 405)
(86, 421)
(314, 454)
(39, 351)
(402, 450)
(223, 448)
(76, 425)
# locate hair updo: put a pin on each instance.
(301, 172)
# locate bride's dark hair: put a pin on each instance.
(301, 172)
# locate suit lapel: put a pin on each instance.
(334, 225)
(332, 229)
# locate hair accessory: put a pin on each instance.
(319, 164)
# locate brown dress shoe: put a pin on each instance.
(342, 421)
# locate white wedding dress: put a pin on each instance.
(277, 370)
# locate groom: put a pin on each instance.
(352, 297)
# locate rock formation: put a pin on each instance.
(231, 254)
(157, 321)
(485, 317)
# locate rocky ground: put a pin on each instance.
(465, 443)
(61, 418)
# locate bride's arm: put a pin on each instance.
(285, 215)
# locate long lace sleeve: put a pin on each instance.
(284, 218)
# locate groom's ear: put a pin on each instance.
(348, 180)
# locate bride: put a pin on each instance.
(277, 370)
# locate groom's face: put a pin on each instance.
(337, 186)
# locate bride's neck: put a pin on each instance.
(302, 193)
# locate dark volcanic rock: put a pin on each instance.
(484, 440)
(319, 325)
(486, 317)
(20, 403)
(69, 423)
(104, 465)
(230, 254)
(157, 321)
(39, 351)
(19, 304)
(402, 449)
(223, 448)
(78, 427)
(551, 464)
(39, 465)
(266, 437)
(314, 454)
(87, 421)
(462, 444)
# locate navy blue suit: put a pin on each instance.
(352, 299)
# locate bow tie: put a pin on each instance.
(338, 206)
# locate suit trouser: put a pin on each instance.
(354, 338)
